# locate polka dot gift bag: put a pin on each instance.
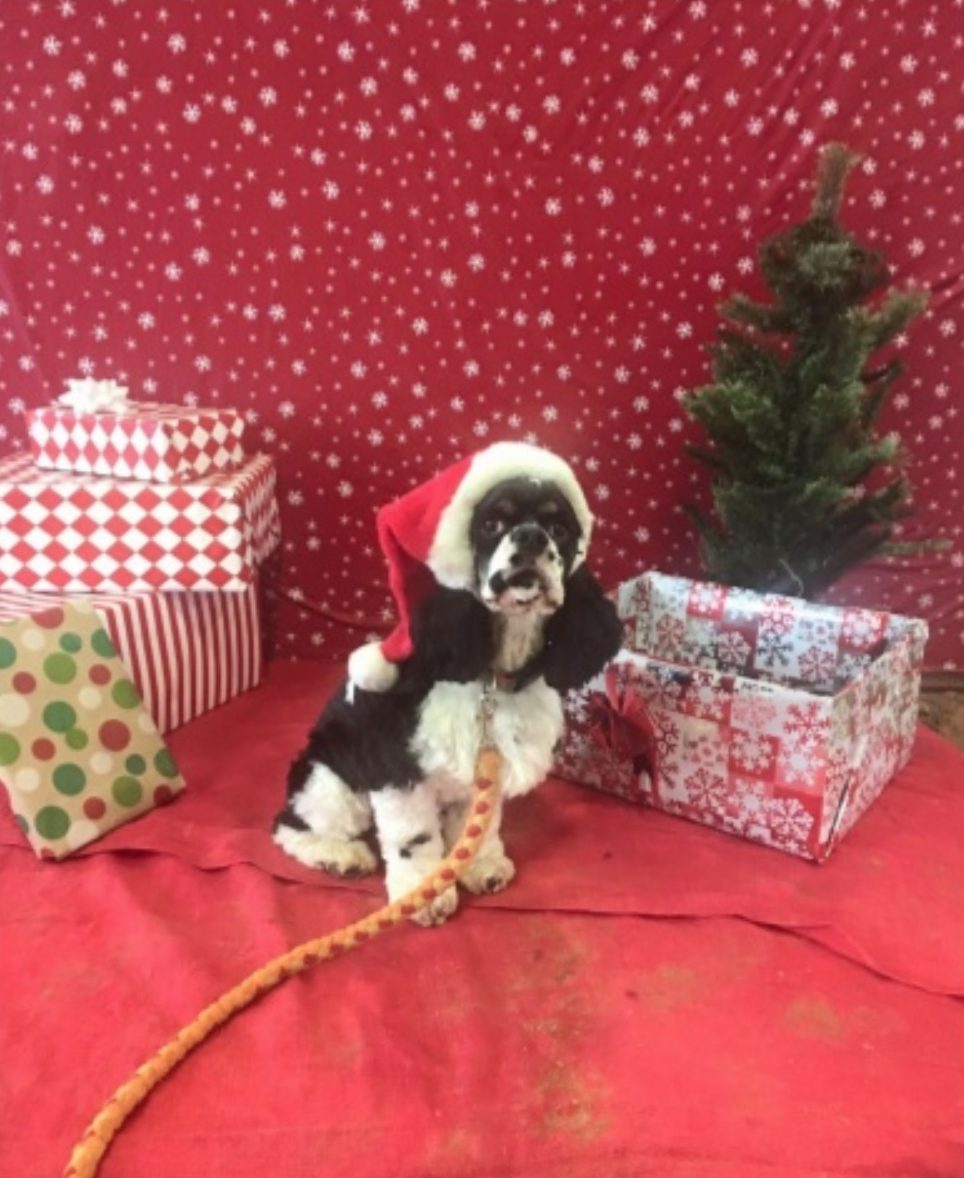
(79, 753)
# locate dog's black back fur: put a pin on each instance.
(366, 742)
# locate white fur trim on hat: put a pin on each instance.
(451, 558)
(370, 670)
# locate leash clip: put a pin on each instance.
(487, 706)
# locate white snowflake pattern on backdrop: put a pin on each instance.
(390, 233)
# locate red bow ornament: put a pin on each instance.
(620, 723)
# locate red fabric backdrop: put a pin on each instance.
(392, 231)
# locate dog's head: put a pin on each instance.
(525, 539)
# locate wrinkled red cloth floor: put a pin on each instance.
(648, 998)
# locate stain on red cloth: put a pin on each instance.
(649, 998)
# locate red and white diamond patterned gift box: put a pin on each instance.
(769, 717)
(160, 443)
(186, 653)
(86, 533)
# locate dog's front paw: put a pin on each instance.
(488, 872)
(439, 910)
(344, 857)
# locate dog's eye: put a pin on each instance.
(492, 527)
(559, 532)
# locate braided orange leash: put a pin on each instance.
(86, 1156)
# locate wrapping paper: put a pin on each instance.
(768, 717)
(158, 443)
(186, 652)
(79, 753)
(86, 533)
(391, 232)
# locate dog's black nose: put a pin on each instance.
(530, 540)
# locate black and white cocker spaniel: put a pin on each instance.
(401, 761)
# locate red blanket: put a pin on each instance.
(649, 997)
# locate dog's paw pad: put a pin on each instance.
(488, 874)
(347, 860)
(352, 871)
(350, 860)
(344, 857)
(439, 910)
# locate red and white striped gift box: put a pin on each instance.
(160, 443)
(87, 533)
(186, 652)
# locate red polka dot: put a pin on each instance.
(95, 808)
(50, 619)
(114, 735)
(43, 749)
(99, 673)
(24, 682)
(162, 795)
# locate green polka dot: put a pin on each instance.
(8, 653)
(124, 694)
(127, 791)
(71, 643)
(164, 763)
(52, 822)
(60, 668)
(102, 644)
(22, 823)
(9, 749)
(135, 764)
(69, 779)
(59, 716)
(77, 738)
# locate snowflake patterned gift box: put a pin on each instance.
(78, 533)
(79, 753)
(141, 440)
(769, 717)
(186, 652)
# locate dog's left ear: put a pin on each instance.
(582, 636)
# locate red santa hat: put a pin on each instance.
(425, 539)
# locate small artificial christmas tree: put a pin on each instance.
(792, 409)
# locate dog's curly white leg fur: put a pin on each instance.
(410, 834)
(336, 818)
(491, 870)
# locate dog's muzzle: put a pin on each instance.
(525, 573)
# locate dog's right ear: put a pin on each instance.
(452, 638)
(582, 636)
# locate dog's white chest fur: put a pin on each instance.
(526, 724)
(525, 728)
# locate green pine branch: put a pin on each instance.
(802, 486)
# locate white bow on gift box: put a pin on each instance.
(94, 396)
